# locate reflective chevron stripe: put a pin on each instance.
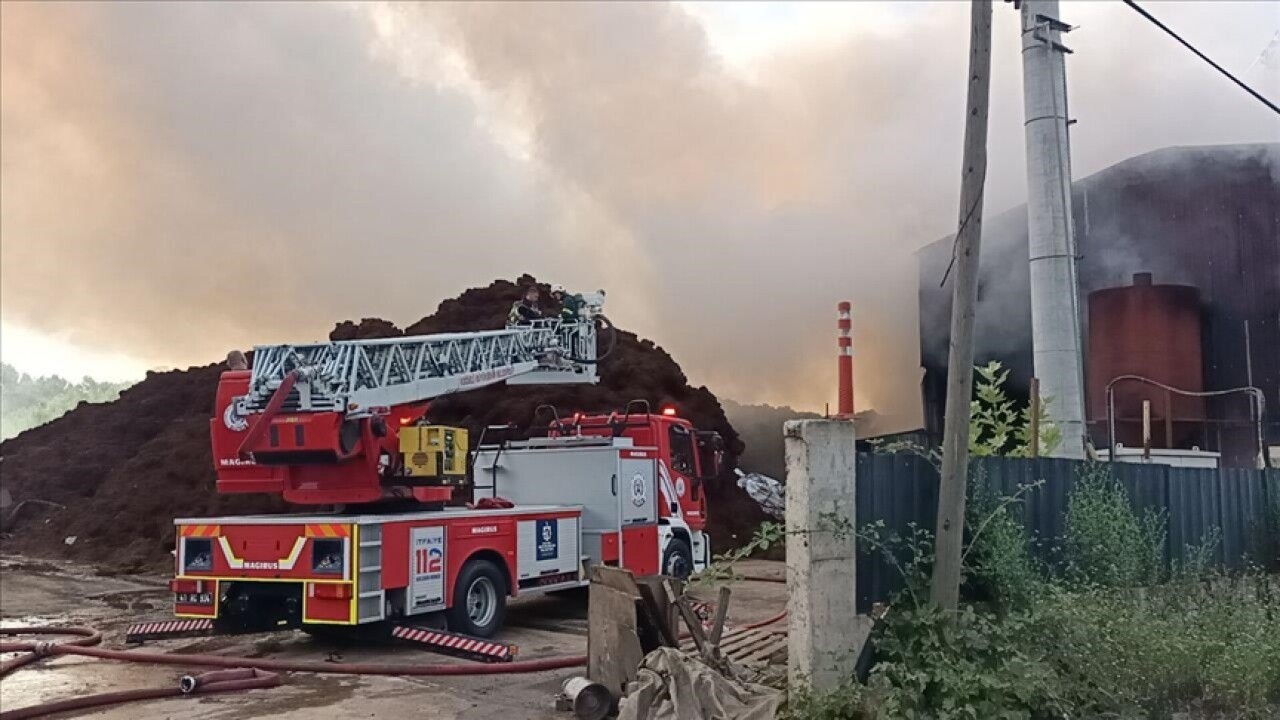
(490, 651)
(168, 627)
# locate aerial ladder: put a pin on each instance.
(330, 423)
(344, 424)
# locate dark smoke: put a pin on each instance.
(183, 178)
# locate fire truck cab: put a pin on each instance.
(637, 476)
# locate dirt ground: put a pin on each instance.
(42, 593)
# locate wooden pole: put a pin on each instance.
(1033, 413)
(1146, 429)
(964, 300)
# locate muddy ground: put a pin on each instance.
(43, 593)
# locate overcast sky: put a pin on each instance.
(179, 179)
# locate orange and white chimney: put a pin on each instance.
(844, 358)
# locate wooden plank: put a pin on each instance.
(747, 647)
(654, 630)
(662, 613)
(735, 632)
(744, 640)
(691, 620)
(620, 580)
(670, 585)
(613, 642)
(777, 644)
(763, 645)
(722, 609)
(730, 635)
(755, 638)
(751, 648)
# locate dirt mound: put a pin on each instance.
(636, 369)
(366, 329)
(124, 469)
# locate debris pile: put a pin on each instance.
(124, 469)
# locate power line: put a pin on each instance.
(1204, 57)
(956, 242)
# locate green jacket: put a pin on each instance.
(571, 307)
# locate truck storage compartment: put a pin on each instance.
(614, 482)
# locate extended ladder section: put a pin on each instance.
(358, 377)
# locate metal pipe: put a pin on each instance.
(1033, 413)
(1055, 306)
(1146, 429)
(1259, 404)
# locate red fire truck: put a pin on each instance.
(340, 426)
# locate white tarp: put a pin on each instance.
(673, 685)
(771, 494)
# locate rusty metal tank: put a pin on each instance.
(1153, 331)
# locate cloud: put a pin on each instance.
(179, 178)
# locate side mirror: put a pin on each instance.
(710, 454)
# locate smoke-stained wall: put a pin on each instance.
(1202, 216)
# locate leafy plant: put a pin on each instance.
(768, 535)
(910, 555)
(1105, 639)
(1212, 647)
(1199, 560)
(998, 561)
(28, 402)
(848, 701)
(721, 568)
(997, 426)
(936, 664)
(1106, 543)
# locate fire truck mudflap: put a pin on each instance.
(268, 572)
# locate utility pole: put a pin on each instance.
(964, 300)
(1055, 292)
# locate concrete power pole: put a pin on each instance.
(1055, 293)
(964, 299)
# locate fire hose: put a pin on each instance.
(245, 673)
(85, 636)
(204, 684)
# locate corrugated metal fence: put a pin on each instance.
(901, 489)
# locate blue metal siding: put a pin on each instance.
(902, 489)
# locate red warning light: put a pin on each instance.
(669, 411)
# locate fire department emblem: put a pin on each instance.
(232, 420)
(638, 492)
(680, 486)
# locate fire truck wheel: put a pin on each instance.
(677, 561)
(479, 600)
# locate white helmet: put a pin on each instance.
(557, 288)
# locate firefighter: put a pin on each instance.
(570, 304)
(524, 312)
(237, 361)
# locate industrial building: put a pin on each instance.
(1179, 269)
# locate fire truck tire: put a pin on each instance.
(479, 599)
(677, 560)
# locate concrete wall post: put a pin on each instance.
(824, 635)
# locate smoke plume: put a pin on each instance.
(182, 178)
